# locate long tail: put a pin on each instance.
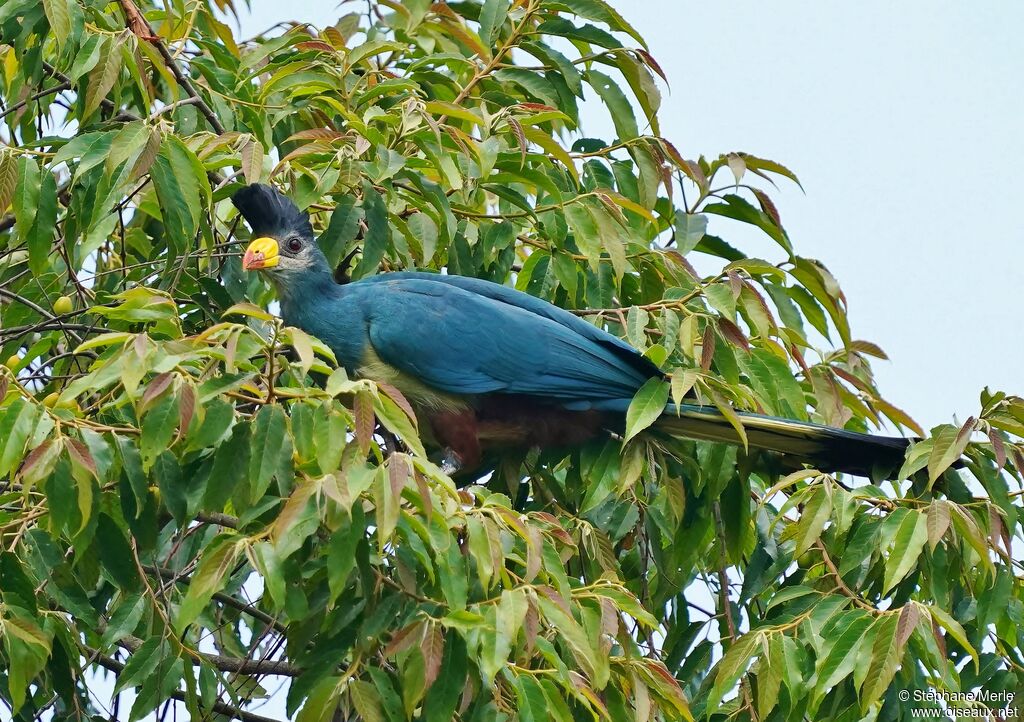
(798, 442)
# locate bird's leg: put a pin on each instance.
(451, 464)
(456, 432)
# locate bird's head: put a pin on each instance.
(283, 243)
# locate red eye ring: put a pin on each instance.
(294, 245)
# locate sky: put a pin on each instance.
(902, 121)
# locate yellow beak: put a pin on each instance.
(261, 253)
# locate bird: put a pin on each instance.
(493, 368)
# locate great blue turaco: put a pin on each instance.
(491, 368)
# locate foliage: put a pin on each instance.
(193, 498)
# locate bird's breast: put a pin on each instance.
(419, 394)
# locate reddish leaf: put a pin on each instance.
(432, 648)
(707, 350)
(997, 529)
(939, 639)
(80, 456)
(365, 421)
(537, 107)
(998, 447)
(651, 63)
(186, 409)
(909, 617)
(404, 638)
(768, 206)
(733, 333)
(424, 492)
(156, 387)
(315, 45)
(398, 473)
(395, 395)
(34, 456)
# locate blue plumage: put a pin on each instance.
(489, 365)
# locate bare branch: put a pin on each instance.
(219, 707)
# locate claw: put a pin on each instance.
(451, 464)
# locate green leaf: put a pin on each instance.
(125, 619)
(532, 705)
(26, 195)
(842, 647)
(341, 230)
(252, 160)
(886, 654)
(397, 421)
(16, 425)
(508, 620)
(690, 229)
(178, 191)
(322, 701)
(738, 208)
(217, 562)
(590, 659)
(142, 662)
(268, 446)
(341, 553)
(116, 557)
(378, 232)
(101, 80)
(645, 408)
(731, 666)
(949, 445)
(938, 520)
(815, 514)
(907, 545)
(158, 426)
(59, 17)
(602, 12)
(946, 621)
(367, 701)
(492, 17)
(618, 105)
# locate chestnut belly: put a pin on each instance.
(529, 422)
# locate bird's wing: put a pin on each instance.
(540, 307)
(462, 342)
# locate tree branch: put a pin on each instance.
(225, 599)
(66, 328)
(41, 94)
(138, 24)
(834, 572)
(723, 577)
(232, 664)
(219, 707)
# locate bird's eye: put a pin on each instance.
(294, 245)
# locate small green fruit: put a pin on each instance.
(71, 405)
(13, 362)
(63, 305)
(51, 400)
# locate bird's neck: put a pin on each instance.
(319, 306)
(302, 294)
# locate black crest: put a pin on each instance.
(269, 212)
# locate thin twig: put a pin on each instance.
(219, 707)
(132, 13)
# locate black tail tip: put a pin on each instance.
(269, 212)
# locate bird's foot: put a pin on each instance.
(451, 464)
